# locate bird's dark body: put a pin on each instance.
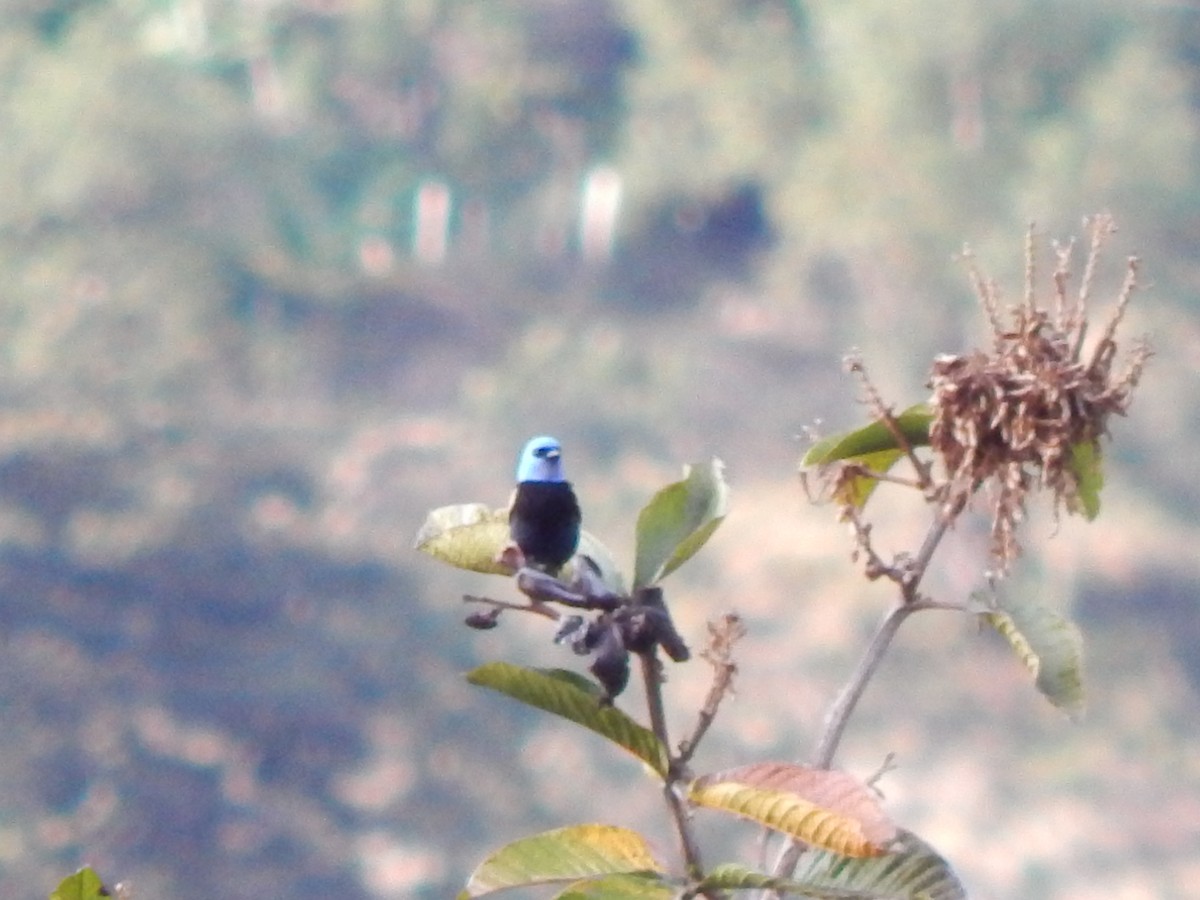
(544, 523)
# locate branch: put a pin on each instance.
(839, 712)
(542, 588)
(908, 579)
(937, 531)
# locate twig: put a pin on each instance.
(720, 656)
(875, 567)
(534, 607)
(883, 412)
(1030, 269)
(894, 479)
(888, 765)
(986, 292)
(672, 788)
(947, 605)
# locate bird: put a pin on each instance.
(544, 518)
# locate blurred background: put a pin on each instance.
(278, 276)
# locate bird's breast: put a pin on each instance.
(544, 522)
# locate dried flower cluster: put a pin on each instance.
(1009, 420)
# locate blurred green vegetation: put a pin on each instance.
(231, 390)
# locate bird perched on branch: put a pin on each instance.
(544, 517)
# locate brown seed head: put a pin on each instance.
(1007, 420)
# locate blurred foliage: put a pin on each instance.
(230, 389)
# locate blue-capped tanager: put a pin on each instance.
(544, 517)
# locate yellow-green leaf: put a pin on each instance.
(472, 535)
(1049, 645)
(678, 520)
(83, 885)
(563, 855)
(911, 870)
(827, 809)
(466, 535)
(572, 697)
(857, 491)
(1086, 466)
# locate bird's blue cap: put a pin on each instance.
(541, 460)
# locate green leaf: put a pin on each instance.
(83, 885)
(563, 855)
(620, 887)
(824, 808)
(1086, 466)
(873, 447)
(575, 698)
(912, 871)
(471, 536)
(678, 520)
(735, 876)
(914, 424)
(1049, 645)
